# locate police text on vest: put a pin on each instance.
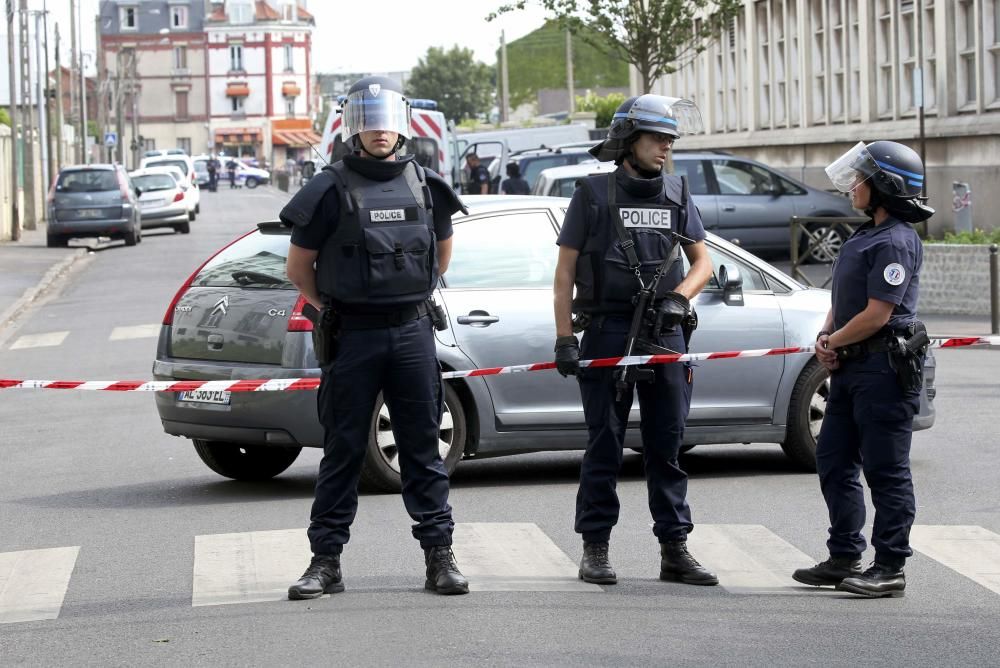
(388, 215)
(650, 218)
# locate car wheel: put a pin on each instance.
(828, 247)
(54, 241)
(805, 415)
(245, 462)
(380, 471)
(190, 216)
(197, 208)
(183, 228)
(251, 182)
(131, 237)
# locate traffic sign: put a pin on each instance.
(110, 139)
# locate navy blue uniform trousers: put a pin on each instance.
(868, 427)
(401, 362)
(663, 404)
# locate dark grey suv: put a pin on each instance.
(93, 201)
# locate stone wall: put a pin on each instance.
(955, 280)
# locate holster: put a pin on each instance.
(907, 349)
(325, 332)
(438, 317)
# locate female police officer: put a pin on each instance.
(622, 234)
(873, 346)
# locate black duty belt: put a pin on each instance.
(879, 343)
(386, 319)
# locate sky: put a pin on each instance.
(344, 39)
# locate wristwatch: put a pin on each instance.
(823, 332)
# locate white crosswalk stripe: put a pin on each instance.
(33, 583)
(45, 340)
(151, 331)
(748, 558)
(971, 551)
(247, 567)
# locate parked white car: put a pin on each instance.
(185, 165)
(161, 201)
(192, 196)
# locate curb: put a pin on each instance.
(54, 273)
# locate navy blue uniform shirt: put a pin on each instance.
(881, 262)
(324, 222)
(576, 225)
(477, 177)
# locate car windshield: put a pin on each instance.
(87, 181)
(179, 164)
(153, 182)
(256, 261)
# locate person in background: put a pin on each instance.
(479, 176)
(514, 184)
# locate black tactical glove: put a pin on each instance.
(567, 355)
(673, 308)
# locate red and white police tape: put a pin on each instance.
(290, 384)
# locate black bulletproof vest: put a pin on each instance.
(383, 251)
(605, 281)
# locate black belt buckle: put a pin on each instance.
(852, 352)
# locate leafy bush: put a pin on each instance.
(4, 117)
(604, 107)
(976, 236)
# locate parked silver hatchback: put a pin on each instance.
(238, 317)
(93, 201)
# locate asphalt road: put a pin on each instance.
(95, 472)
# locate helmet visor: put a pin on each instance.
(378, 109)
(852, 168)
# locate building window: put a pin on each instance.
(886, 84)
(237, 105)
(184, 144)
(180, 58)
(289, 58)
(992, 65)
(240, 11)
(148, 144)
(178, 17)
(290, 107)
(965, 40)
(128, 18)
(181, 104)
(236, 57)
(288, 10)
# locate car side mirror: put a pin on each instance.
(731, 282)
(138, 191)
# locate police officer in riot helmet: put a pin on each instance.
(620, 248)
(874, 347)
(371, 235)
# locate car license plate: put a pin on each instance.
(220, 397)
(88, 213)
(151, 203)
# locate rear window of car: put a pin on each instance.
(179, 164)
(87, 181)
(532, 167)
(201, 165)
(256, 261)
(151, 182)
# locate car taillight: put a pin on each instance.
(298, 322)
(193, 180)
(168, 317)
(179, 197)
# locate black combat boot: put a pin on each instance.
(677, 565)
(828, 573)
(322, 577)
(443, 575)
(595, 567)
(879, 581)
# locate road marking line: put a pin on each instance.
(248, 567)
(33, 583)
(39, 340)
(748, 558)
(515, 556)
(135, 332)
(971, 551)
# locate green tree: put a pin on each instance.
(604, 107)
(4, 117)
(462, 87)
(538, 60)
(656, 36)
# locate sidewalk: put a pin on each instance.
(27, 268)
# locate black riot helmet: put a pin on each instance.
(375, 103)
(893, 170)
(647, 113)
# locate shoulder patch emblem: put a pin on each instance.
(894, 274)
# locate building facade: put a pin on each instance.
(228, 77)
(794, 83)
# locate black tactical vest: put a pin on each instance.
(605, 280)
(383, 251)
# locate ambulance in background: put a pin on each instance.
(428, 143)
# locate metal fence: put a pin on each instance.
(817, 240)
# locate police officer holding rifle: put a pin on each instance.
(620, 249)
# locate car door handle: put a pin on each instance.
(729, 207)
(478, 318)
